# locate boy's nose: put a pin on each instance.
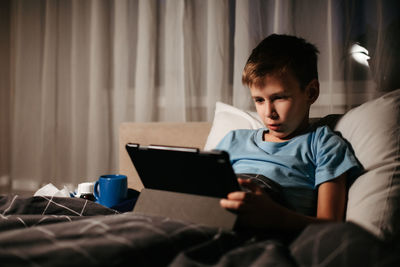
(269, 110)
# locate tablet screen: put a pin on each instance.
(185, 170)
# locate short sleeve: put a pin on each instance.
(333, 157)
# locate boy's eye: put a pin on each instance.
(258, 100)
(278, 97)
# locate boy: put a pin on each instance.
(310, 165)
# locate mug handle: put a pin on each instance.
(96, 186)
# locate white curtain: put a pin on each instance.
(73, 70)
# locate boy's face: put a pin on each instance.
(283, 106)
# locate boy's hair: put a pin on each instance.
(280, 53)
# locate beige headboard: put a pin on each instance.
(188, 134)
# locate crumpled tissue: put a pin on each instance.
(52, 191)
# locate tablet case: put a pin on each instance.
(184, 184)
(185, 207)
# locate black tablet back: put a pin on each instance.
(185, 170)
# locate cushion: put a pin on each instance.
(227, 118)
(374, 133)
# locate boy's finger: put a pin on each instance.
(232, 204)
(246, 197)
(238, 195)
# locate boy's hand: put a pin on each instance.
(255, 208)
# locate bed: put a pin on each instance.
(56, 231)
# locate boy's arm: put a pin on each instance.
(330, 206)
(256, 209)
(332, 199)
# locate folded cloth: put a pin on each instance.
(129, 202)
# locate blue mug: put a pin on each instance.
(111, 189)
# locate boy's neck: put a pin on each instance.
(302, 129)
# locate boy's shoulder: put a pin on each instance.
(245, 132)
(322, 130)
(322, 134)
(241, 134)
(237, 136)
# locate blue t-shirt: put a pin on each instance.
(299, 165)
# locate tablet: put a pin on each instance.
(184, 170)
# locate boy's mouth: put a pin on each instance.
(274, 127)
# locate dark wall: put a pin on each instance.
(5, 89)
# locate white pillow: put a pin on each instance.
(229, 118)
(374, 132)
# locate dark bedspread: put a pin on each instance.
(44, 231)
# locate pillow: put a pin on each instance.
(374, 132)
(227, 118)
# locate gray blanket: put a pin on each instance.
(44, 231)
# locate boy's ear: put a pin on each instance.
(312, 91)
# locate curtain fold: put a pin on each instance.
(174, 69)
(218, 83)
(244, 43)
(145, 87)
(77, 69)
